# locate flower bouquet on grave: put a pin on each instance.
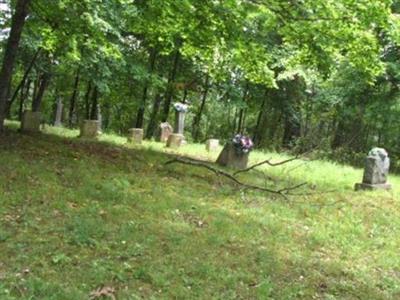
(181, 107)
(242, 144)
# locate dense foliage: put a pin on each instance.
(293, 75)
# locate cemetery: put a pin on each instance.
(199, 149)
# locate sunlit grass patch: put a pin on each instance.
(77, 214)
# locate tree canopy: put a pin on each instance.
(284, 72)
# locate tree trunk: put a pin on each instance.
(291, 131)
(37, 101)
(73, 100)
(242, 110)
(22, 82)
(141, 110)
(197, 118)
(153, 117)
(87, 100)
(258, 131)
(170, 89)
(94, 112)
(10, 53)
(24, 96)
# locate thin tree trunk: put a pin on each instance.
(24, 96)
(10, 53)
(44, 81)
(185, 94)
(141, 110)
(94, 112)
(197, 118)
(258, 134)
(153, 117)
(242, 110)
(22, 82)
(36, 86)
(170, 89)
(73, 100)
(87, 100)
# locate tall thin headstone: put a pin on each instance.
(176, 139)
(59, 113)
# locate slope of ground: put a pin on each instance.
(78, 215)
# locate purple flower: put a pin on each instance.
(243, 144)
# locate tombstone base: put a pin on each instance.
(90, 129)
(372, 187)
(30, 121)
(135, 135)
(175, 140)
(212, 145)
(229, 157)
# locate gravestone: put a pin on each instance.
(175, 140)
(231, 157)
(59, 113)
(90, 129)
(135, 135)
(212, 145)
(376, 171)
(166, 131)
(179, 122)
(30, 121)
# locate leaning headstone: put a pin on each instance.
(90, 129)
(166, 131)
(236, 153)
(30, 121)
(376, 171)
(232, 158)
(212, 145)
(175, 140)
(135, 135)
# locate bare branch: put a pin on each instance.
(282, 192)
(266, 162)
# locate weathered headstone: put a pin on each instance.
(30, 121)
(376, 171)
(135, 135)
(166, 131)
(231, 157)
(59, 113)
(90, 129)
(175, 140)
(212, 145)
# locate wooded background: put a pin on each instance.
(294, 75)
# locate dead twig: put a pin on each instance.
(282, 192)
(266, 162)
(272, 164)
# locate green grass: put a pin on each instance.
(76, 215)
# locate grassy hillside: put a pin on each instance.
(76, 215)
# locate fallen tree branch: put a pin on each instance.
(266, 162)
(272, 164)
(187, 161)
